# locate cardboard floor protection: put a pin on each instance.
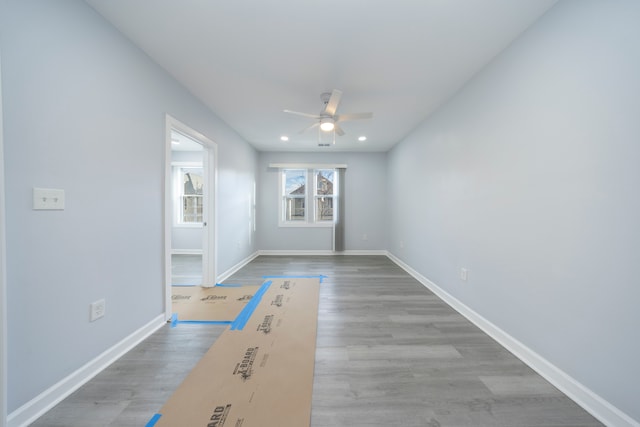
(259, 374)
(218, 303)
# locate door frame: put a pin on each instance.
(210, 231)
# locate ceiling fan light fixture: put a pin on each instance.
(327, 124)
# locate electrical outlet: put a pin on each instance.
(401, 244)
(464, 274)
(48, 199)
(97, 310)
(365, 237)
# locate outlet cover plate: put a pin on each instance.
(48, 199)
(97, 310)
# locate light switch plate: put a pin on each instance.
(48, 199)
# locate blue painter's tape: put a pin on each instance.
(248, 309)
(153, 420)
(205, 322)
(227, 285)
(317, 276)
(174, 320)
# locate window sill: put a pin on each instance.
(305, 225)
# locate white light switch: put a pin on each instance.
(48, 199)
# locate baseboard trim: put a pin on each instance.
(224, 276)
(39, 405)
(583, 396)
(186, 251)
(363, 252)
(320, 252)
(277, 252)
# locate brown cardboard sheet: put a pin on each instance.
(218, 303)
(261, 375)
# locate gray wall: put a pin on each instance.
(3, 277)
(84, 111)
(528, 178)
(366, 206)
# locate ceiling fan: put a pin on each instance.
(328, 120)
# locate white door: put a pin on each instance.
(208, 214)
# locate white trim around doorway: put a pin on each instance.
(211, 178)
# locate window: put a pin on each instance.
(295, 190)
(296, 197)
(189, 185)
(324, 194)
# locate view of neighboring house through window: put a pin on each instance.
(295, 188)
(324, 194)
(296, 197)
(191, 195)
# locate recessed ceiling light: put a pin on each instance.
(175, 141)
(284, 138)
(362, 138)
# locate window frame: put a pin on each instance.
(317, 196)
(310, 198)
(178, 193)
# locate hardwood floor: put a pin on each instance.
(389, 353)
(186, 269)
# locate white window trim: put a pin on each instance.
(307, 165)
(310, 196)
(176, 166)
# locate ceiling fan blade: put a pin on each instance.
(332, 105)
(338, 130)
(309, 127)
(298, 113)
(353, 116)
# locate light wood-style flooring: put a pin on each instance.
(389, 353)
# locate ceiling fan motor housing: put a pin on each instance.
(325, 97)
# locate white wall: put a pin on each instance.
(528, 178)
(186, 239)
(85, 111)
(365, 210)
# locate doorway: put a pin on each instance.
(190, 233)
(187, 224)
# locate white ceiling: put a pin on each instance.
(248, 60)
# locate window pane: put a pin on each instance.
(324, 209)
(294, 209)
(192, 190)
(193, 181)
(324, 182)
(295, 181)
(192, 208)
